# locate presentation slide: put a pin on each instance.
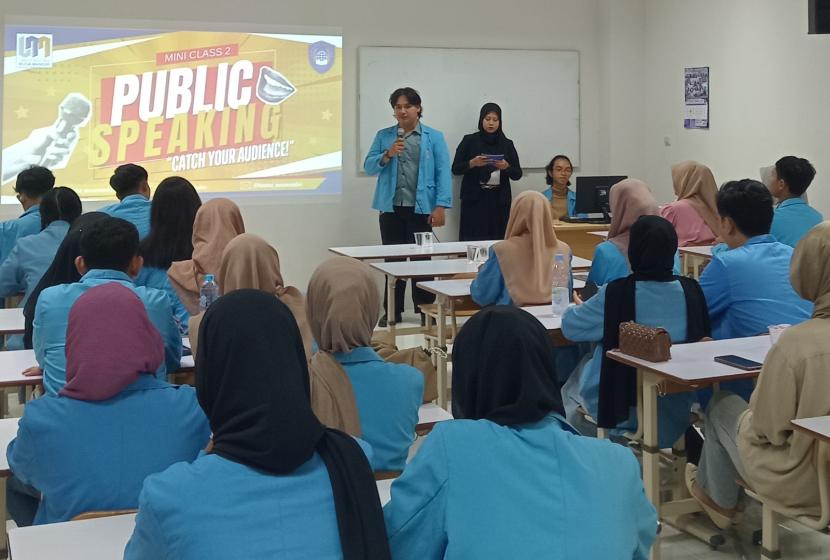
(238, 114)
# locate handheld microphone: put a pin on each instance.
(73, 113)
(401, 132)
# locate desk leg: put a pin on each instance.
(442, 352)
(4, 549)
(651, 451)
(391, 281)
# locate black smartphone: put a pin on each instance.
(738, 362)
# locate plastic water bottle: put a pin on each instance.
(560, 286)
(208, 293)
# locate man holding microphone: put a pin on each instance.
(414, 185)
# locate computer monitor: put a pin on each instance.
(592, 195)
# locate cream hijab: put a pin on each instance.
(343, 308)
(527, 252)
(695, 183)
(217, 222)
(250, 262)
(629, 199)
(810, 269)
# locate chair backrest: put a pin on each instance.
(103, 513)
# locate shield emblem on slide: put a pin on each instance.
(321, 56)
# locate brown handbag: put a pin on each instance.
(652, 344)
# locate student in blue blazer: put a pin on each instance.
(510, 478)
(793, 217)
(558, 176)
(90, 446)
(31, 185)
(414, 184)
(129, 181)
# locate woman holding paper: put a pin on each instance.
(488, 161)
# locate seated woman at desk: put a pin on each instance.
(652, 295)
(695, 212)
(343, 309)
(558, 175)
(91, 446)
(275, 482)
(249, 262)
(519, 269)
(756, 442)
(629, 199)
(509, 478)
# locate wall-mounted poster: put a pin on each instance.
(696, 87)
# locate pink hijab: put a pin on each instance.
(629, 199)
(110, 343)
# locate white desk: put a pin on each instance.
(818, 427)
(12, 364)
(545, 315)
(8, 431)
(603, 234)
(93, 539)
(695, 258)
(373, 252)
(430, 414)
(12, 321)
(691, 366)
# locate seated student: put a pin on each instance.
(91, 446)
(793, 216)
(33, 254)
(694, 214)
(173, 210)
(629, 199)
(249, 262)
(343, 309)
(509, 478)
(558, 175)
(30, 186)
(217, 222)
(651, 295)
(129, 181)
(275, 483)
(756, 442)
(109, 253)
(62, 270)
(747, 287)
(518, 270)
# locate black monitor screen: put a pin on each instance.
(592, 193)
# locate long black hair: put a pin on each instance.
(60, 203)
(174, 208)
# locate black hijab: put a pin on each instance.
(503, 368)
(61, 271)
(651, 251)
(490, 138)
(252, 382)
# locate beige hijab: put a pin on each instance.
(216, 223)
(810, 269)
(343, 308)
(527, 252)
(250, 262)
(629, 199)
(695, 183)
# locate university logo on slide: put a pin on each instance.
(34, 50)
(321, 56)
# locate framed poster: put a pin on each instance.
(696, 89)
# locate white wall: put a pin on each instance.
(769, 89)
(302, 233)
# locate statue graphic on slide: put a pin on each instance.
(50, 146)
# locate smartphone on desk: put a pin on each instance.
(738, 362)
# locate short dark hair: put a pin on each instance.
(60, 203)
(174, 208)
(797, 172)
(749, 204)
(34, 182)
(411, 95)
(549, 168)
(110, 243)
(127, 178)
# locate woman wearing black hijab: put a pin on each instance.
(485, 188)
(509, 478)
(276, 483)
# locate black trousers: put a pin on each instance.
(400, 227)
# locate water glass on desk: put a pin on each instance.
(477, 254)
(775, 332)
(425, 239)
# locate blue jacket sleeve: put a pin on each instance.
(598, 274)
(371, 165)
(645, 512)
(38, 338)
(443, 173)
(715, 285)
(147, 541)
(488, 285)
(416, 515)
(8, 238)
(586, 322)
(22, 456)
(11, 275)
(160, 311)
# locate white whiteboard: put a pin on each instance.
(537, 90)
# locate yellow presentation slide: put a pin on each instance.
(235, 113)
